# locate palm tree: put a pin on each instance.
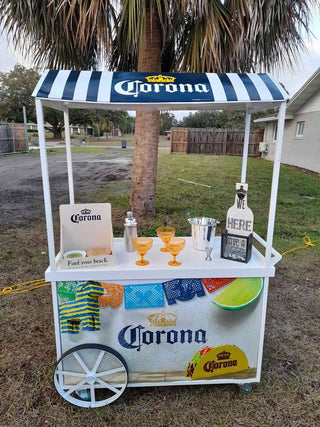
(157, 35)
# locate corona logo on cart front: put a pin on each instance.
(135, 337)
(222, 362)
(84, 215)
(163, 319)
(217, 361)
(158, 84)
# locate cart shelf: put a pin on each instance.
(193, 265)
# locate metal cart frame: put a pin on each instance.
(52, 91)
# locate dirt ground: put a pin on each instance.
(21, 192)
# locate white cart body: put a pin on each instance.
(159, 354)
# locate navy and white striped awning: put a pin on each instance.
(102, 89)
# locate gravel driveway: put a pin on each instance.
(21, 192)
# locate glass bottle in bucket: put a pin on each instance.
(130, 231)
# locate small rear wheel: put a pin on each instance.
(245, 388)
(91, 375)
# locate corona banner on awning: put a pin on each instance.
(184, 90)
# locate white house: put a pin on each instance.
(301, 140)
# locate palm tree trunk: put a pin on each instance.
(145, 159)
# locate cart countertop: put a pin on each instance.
(193, 265)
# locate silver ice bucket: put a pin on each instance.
(203, 230)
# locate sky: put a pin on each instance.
(292, 79)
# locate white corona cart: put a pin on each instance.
(156, 325)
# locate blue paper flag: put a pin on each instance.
(183, 290)
(143, 296)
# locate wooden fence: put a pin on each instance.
(214, 141)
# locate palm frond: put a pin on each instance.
(203, 35)
(60, 33)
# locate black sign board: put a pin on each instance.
(236, 248)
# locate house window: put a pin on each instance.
(275, 132)
(300, 129)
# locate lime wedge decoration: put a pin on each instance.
(240, 293)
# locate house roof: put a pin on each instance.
(311, 86)
(134, 91)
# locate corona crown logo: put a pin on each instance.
(86, 211)
(224, 355)
(163, 319)
(160, 79)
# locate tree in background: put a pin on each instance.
(54, 122)
(16, 88)
(82, 118)
(157, 36)
(221, 119)
(202, 119)
(130, 124)
(167, 121)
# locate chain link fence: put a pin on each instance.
(13, 138)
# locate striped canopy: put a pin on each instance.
(163, 91)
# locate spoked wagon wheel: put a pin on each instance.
(91, 375)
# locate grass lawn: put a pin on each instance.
(298, 204)
(289, 391)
